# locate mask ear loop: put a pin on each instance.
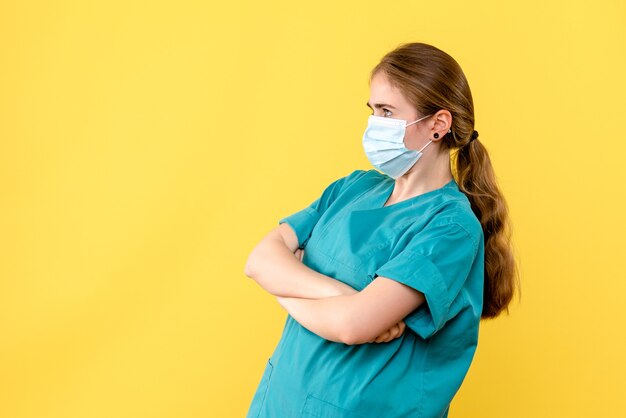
(426, 145)
(420, 119)
(436, 136)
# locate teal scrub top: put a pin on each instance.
(432, 242)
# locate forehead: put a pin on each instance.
(381, 91)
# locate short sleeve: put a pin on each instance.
(304, 220)
(436, 261)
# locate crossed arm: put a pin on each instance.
(324, 305)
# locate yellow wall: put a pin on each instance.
(146, 147)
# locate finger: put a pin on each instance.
(381, 338)
(397, 331)
(391, 332)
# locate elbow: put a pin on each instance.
(250, 267)
(255, 260)
(348, 340)
(355, 328)
(254, 269)
(348, 330)
(349, 337)
(247, 270)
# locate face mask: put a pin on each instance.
(383, 142)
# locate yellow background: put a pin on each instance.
(146, 147)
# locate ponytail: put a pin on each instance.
(477, 180)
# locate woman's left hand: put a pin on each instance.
(392, 333)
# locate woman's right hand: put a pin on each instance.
(299, 253)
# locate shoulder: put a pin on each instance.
(368, 177)
(361, 177)
(462, 221)
(455, 212)
(362, 174)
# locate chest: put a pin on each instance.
(353, 243)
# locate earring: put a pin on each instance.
(436, 135)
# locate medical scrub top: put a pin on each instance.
(432, 242)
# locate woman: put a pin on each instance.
(400, 265)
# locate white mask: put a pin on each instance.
(383, 141)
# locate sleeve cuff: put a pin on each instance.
(302, 222)
(418, 272)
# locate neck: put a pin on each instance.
(430, 172)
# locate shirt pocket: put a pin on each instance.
(339, 267)
(349, 249)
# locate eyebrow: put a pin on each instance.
(379, 105)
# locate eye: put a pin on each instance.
(384, 112)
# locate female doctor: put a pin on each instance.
(401, 261)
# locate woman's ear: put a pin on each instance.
(442, 122)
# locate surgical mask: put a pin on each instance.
(383, 141)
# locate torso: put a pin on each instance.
(309, 376)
